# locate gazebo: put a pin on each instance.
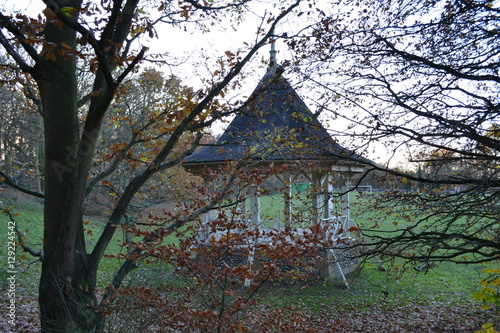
(275, 128)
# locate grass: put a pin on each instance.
(446, 283)
(29, 218)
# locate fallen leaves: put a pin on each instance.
(27, 317)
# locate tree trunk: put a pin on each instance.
(67, 304)
(67, 283)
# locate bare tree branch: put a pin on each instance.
(9, 181)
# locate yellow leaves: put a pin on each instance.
(137, 30)
(488, 328)
(66, 46)
(495, 282)
(69, 11)
(186, 111)
(31, 40)
(118, 119)
(226, 237)
(490, 291)
(489, 270)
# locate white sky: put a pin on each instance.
(187, 45)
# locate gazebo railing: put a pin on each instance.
(341, 227)
(335, 227)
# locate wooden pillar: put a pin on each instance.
(204, 231)
(335, 270)
(241, 208)
(345, 195)
(207, 217)
(327, 196)
(316, 197)
(254, 206)
(288, 197)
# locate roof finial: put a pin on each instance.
(273, 62)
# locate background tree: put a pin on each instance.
(133, 131)
(21, 131)
(47, 49)
(418, 76)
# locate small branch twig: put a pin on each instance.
(20, 236)
(9, 181)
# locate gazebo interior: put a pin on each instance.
(274, 129)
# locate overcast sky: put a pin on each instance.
(194, 51)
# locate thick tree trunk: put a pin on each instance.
(67, 283)
(67, 304)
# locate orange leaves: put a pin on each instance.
(48, 51)
(52, 18)
(68, 52)
(115, 147)
(185, 11)
(232, 58)
(66, 46)
(63, 49)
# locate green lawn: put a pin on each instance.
(446, 284)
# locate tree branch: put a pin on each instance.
(9, 181)
(137, 182)
(20, 237)
(129, 263)
(103, 64)
(448, 69)
(7, 23)
(16, 56)
(132, 65)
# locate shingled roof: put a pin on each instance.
(274, 125)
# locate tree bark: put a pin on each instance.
(66, 290)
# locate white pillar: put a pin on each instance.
(204, 231)
(334, 269)
(327, 196)
(254, 206)
(241, 208)
(316, 196)
(345, 195)
(288, 197)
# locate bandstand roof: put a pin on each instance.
(274, 125)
